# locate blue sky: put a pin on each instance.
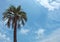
(43, 23)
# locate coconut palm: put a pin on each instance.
(15, 17)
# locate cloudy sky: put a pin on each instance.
(43, 23)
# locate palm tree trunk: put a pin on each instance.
(15, 33)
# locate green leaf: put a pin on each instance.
(18, 8)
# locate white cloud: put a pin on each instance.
(24, 31)
(55, 15)
(54, 37)
(40, 33)
(51, 6)
(4, 38)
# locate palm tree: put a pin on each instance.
(16, 17)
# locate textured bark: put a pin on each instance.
(15, 34)
(15, 29)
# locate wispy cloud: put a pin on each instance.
(4, 38)
(55, 15)
(53, 20)
(24, 31)
(39, 33)
(50, 4)
(53, 37)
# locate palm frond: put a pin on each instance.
(23, 15)
(19, 25)
(8, 23)
(18, 8)
(12, 9)
(23, 23)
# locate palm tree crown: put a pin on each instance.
(15, 15)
